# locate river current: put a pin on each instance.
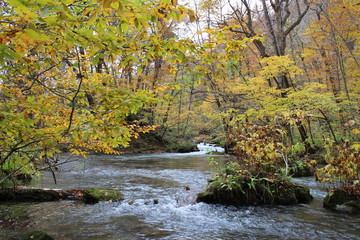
(158, 191)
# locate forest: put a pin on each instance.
(274, 82)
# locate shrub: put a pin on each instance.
(259, 149)
(343, 166)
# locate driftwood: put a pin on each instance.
(88, 195)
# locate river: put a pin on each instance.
(156, 193)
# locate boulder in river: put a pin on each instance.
(95, 195)
(341, 200)
(250, 192)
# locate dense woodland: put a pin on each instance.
(276, 82)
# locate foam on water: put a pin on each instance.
(206, 147)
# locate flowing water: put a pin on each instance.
(156, 205)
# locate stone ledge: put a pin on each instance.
(87, 195)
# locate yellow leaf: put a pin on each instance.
(174, 2)
(192, 15)
(106, 3)
(356, 131)
(356, 146)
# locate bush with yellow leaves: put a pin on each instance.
(343, 166)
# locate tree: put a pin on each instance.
(332, 56)
(279, 18)
(60, 84)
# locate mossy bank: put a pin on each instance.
(88, 195)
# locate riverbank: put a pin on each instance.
(88, 195)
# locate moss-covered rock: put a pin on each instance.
(303, 194)
(342, 200)
(36, 235)
(95, 195)
(89, 195)
(249, 192)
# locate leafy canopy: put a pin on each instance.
(56, 86)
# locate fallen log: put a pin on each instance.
(87, 195)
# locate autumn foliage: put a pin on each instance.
(62, 85)
(91, 75)
(259, 149)
(343, 167)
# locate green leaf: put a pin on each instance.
(6, 53)
(36, 35)
(124, 26)
(137, 23)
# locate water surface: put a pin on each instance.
(144, 178)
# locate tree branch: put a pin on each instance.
(73, 100)
(298, 20)
(270, 26)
